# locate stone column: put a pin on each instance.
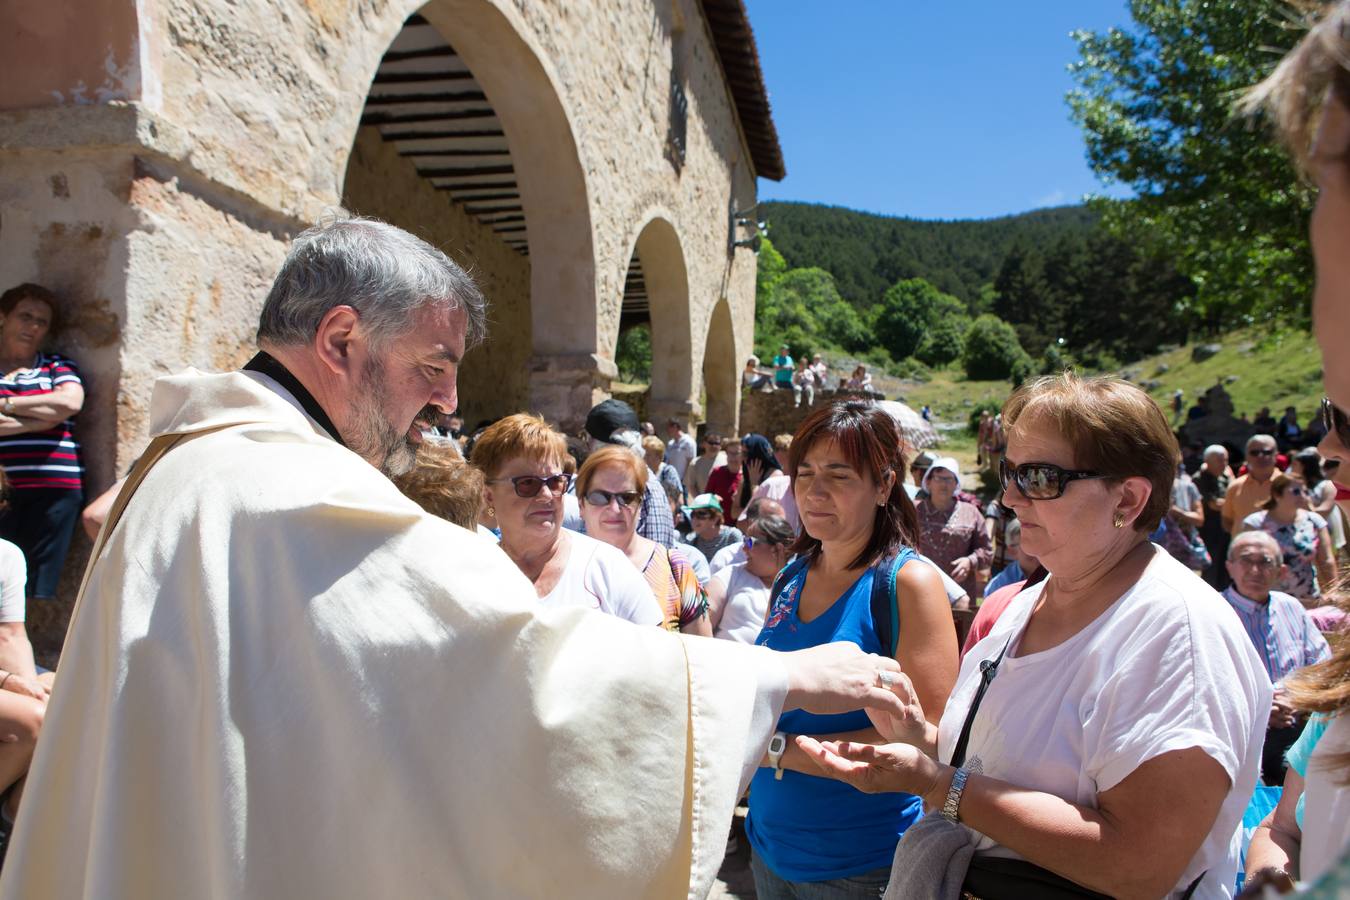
(564, 387)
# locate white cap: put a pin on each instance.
(944, 462)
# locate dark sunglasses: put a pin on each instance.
(750, 542)
(528, 486)
(706, 514)
(1040, 481)
(1335, 420)
(1259, 452)
(597, 497)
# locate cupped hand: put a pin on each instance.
(838, 678)
(872, 768)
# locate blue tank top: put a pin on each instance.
(808, 828)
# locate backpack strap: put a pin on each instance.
(885, 605)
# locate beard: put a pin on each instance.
(371, 436)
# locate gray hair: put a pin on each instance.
(1260, 439)
(383, 272)
(1215, 450)
(1253, 537)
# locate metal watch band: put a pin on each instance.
(952, 807)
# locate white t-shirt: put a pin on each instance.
(747, 602)
(680, 452)
(1166, 667)
(730, 555)
(13, 582)
(599, 576)
(1326, 804)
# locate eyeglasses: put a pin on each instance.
(1040, 481)
(1336, 421)
(597, 497)
(706, 514)
(1329, 464)
(1257, 562)
(749, 542)
(528, 486)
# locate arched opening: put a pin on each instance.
(657, 289)
(721, 371)
(465, 142)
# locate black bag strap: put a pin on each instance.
(885, 609)
(988, 669)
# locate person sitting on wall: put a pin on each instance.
(782, 369)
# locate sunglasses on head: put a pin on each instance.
(1336, 421)
(597, 497)
(1040, 481)
(528, 486)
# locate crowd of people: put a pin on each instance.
(593, 645)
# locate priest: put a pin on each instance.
(283, 679)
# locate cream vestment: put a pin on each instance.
(284, 680)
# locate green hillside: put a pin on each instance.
(867, 253)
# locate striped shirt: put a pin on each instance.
(1281, 630)
(42, 459)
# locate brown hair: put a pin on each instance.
(29, 291)
(1315, 72)
(1325, 686)
(444, 485)
(521, 434)
(1278, 485)
(611, 455)
(1114, 428)
(870, 440)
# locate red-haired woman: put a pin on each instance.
(848, 481)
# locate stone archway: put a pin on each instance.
(721, 371)
(465, 141)
(659, 255)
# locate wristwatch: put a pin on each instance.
(952, 807)
(777, 746)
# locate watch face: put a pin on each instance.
(777, 743)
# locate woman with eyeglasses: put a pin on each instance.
(1303, 538)
(521, 458)
(738, 595)
(610, 485)
(1107, 733)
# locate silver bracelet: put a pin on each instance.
(951, 809)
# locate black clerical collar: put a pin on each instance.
(268, 365)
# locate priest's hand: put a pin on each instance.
(838, 678)
(909, 726)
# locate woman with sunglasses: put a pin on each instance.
(1121, 708)
(610, 485)
(521, 458)
(738, 595)
(1303, 538)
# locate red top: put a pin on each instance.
(725, 483)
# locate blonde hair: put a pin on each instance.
(653, 444)
(520, 435)
(1315, 72)
(1114, 428)
(444, 485)
(612, 455)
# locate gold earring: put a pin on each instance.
(1120, 520)
(492, 513)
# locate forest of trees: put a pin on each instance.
(1043, 289)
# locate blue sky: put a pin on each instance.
(934, 110)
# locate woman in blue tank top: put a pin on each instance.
(813, 836)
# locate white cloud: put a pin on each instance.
(1056, 197)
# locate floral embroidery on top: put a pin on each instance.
(781, 608)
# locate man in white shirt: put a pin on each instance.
(680, 449)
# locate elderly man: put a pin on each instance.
(284, 679)
(1248, 492)
(1212, 482)
(1282, 631)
